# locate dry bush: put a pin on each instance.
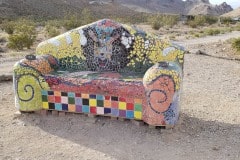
(23, 36)
(236, 44)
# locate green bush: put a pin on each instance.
(71, 22)
(8, 26)
(23, 36)
(236, 44)
(74, 21)
(213, 32)
(156, 25)
(226, 20)
(211, 19)
(197, 21)
(52, 31)
(158, 21)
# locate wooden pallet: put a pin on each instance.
(94, 117)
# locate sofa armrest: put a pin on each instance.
(162, 84)
(29, 81)
(43, 63)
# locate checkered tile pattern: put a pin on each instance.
(92, 103)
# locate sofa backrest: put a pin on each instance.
(106, 45)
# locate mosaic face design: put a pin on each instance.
(72, 74)
(109, 46)
(104, 48)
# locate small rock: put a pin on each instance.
(215, 148)
(17, 115)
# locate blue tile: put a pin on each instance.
(71, 94)
(107, 110)
(100, 97)
(78, 101)
(85, 109)
(130, 114)
(50, 93)
(58, 106)
(115, 112)
(44, 92)
(92, 96)
(65, 107)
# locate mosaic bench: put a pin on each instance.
(104, 68)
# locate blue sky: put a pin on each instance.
(233, 3)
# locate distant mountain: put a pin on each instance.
(59, 8)
(192, 7)
(235, 13)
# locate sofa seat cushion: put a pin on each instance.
(105, 83)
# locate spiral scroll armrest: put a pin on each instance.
(162, 84)
(28, 83)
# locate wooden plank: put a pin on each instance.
(55, 113)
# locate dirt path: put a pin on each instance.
(210, 39)
(209, 126)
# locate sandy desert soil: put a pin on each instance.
(209, 126)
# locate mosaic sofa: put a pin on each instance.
(104, 68)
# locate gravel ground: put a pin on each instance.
(209, 126)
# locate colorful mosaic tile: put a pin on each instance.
(129, 73)
(92, 104)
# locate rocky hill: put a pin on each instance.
(59, 8)
(192, 7)
(234, 13)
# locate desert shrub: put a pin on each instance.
(236, 44)
(54, 23)
(71, 22)
(156, 25)
(213, 31)
(74, 21)
(23, 36)
(158, 21)
(211, 19)
(52, 31)
(8, 26)
(197, 21)
(237, 28)
(86, 16)
(226, 20)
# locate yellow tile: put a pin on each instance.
(93, 102)
(122, 105)
(45, 105)
(107, 104)
(137, 115)
(85, 95)
(71, 108)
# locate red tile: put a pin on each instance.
(107, 97)
(57, 99)
(130, 106)
(122, 99)
(93, 110)
(77, 94)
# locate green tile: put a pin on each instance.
(71, 100)
(99, 103)
(138, 107)
(44, 98)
